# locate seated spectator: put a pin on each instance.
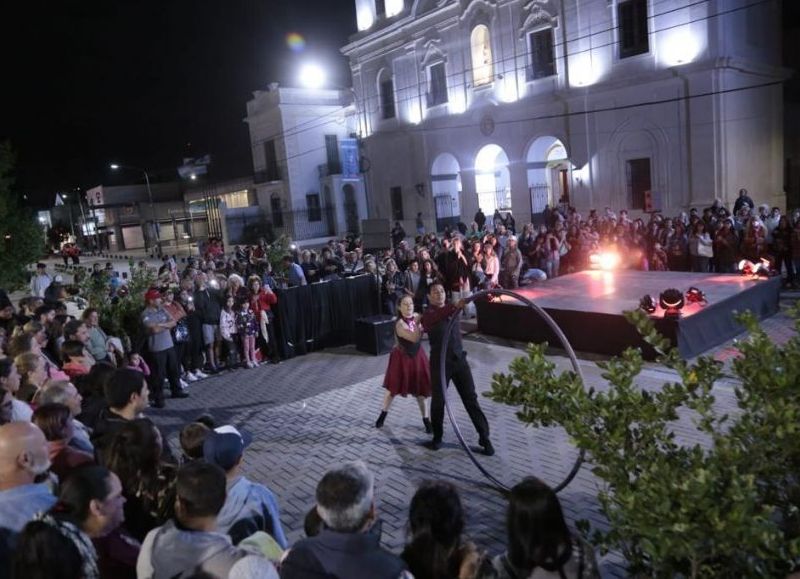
(148, 484)
(134, 361)
(55, 422)
(33, 374)
(76, 361)
(345, 547)
(191, 438)
(436, 521)
(92, 390)
(6, 407)
(249, 507)
(67, 394)
(189, 545)
(294, 273)
(9, 381)
(100, 345)
(540, 544)
(23, 457)
(127, 396)
(47, 550)
(91, 499)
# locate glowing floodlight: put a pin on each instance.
(605, 260)
(749, 268)
(312, 76)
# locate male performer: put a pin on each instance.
(435, 320)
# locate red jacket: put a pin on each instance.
(262, 301)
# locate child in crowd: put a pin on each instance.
(229, 331)
(192, 437)
(248, 329)
(76, 362)
(136, 362)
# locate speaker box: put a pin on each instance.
(375, 334)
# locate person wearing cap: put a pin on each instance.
(190, 544)
(249, 507)
(348, 545)
(40, 281)
(56, 291)
(158, 325)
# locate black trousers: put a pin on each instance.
(165, 364)
(461, 376)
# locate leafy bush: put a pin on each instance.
(120, 314)
(727, 508)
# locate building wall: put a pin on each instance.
(685, 103)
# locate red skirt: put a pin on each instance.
(407, 375)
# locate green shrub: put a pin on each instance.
(727, 508)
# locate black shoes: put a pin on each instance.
(427, 423)
(381, 419)
(488, 449)
(180, 394)
(434, 444)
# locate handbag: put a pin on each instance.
(704, 250)
(180, 333)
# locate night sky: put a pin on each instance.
(149, 82)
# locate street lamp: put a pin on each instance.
(115, 167)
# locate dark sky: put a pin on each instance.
(93, 81)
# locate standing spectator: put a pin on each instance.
(344, 547)
(40, 281)
(700, 248)
(436, 521)
(491, 266)
(180, 333)
(193, 346)
(247, 327)
(229, 331)
(511, 265)
(189, 544)
(294, 273)
(261, 301)
(158, 325)
(540, 544)
(208, 307)
(23, 457)
(782, 248)
(310, 266)
(726, 247)
(398, 234)
(392, 288)
(480, 219)
(249, 507)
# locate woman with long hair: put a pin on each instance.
(33, 375)
(540, 545)
(408, 371)
(436, 523)
(700, 248)
(148, 484)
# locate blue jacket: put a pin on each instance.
(20, 504)
(250, 507)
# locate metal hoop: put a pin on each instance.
(443, 382)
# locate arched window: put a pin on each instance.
(482, 68)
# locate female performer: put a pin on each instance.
(408, 371)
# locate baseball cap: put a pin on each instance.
(152, 294)
(58, 279)
(224, 445)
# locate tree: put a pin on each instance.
(21, 237)
(727, 508)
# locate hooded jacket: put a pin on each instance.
(250, 507)
(171, 551)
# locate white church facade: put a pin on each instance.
(514, 104)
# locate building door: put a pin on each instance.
(351, 209)
(396, 194)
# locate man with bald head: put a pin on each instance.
(23, 457)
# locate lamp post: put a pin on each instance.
(115, 167)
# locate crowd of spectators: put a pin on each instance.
(90, 488)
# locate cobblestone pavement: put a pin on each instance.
(312, 412)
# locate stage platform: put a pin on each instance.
(588, 307)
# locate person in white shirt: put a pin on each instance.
(40, 281)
